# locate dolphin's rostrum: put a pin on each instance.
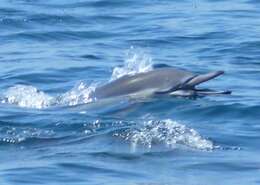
(166, 80)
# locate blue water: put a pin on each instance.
(53, 53)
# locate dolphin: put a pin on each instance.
(167, 80)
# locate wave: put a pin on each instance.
(146, 134)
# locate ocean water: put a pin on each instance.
(54, 53)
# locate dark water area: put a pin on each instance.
(53, 53)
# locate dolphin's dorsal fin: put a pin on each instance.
(203, 78)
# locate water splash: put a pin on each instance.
(170, 133)
(27, 96)
(77, 95)
(31, 97)
(137, 61)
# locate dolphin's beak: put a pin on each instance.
(190, 86)
(204, 92)
(203, 78)
(198, 92)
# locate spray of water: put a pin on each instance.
(136, 61)
(79, 94)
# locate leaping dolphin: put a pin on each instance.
(168, 80)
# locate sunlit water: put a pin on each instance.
(53, 54)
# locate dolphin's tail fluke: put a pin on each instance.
(203, 78)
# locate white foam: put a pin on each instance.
(136, 61)
(27, 96)
(170, 133)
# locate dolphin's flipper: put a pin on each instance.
(203, 78)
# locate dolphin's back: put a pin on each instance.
(158, 80)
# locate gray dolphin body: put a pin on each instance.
(168, 80)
